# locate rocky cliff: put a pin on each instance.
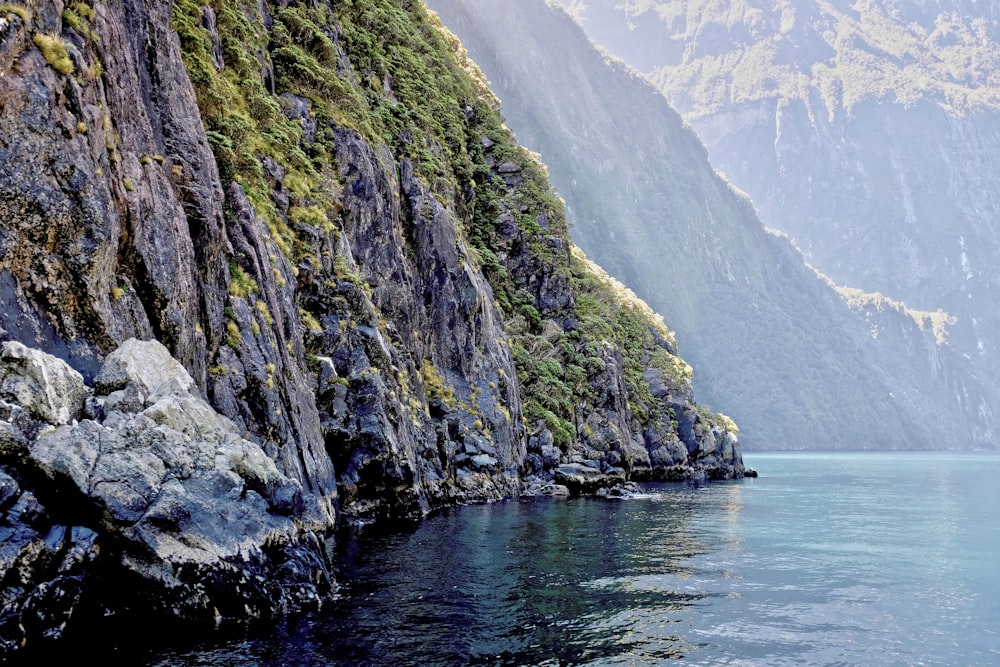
(867, 132)
(776, 345)
(268, 267)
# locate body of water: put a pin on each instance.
(826, 559)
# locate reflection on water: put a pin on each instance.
(542, 582)
(836, 559)
(557, 582)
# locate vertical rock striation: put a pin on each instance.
(775, 344)
(267, 267)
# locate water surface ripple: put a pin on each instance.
(826, 559)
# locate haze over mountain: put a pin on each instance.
(869, 132)
(791, 358)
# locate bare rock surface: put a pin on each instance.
(155, 487)
(41, 384)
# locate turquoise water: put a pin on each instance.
(826, 559)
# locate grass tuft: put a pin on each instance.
(56, 54)
(21, 12)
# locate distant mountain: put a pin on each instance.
(776, 345)
(869, 132)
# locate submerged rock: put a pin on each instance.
(623, 491)
(539, 488)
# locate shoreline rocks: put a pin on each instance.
(139, 480)
(151, 487)
(354, 335)
(581, 478)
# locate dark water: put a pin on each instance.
(826, 559)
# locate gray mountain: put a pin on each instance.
(776, 345)
(868, 132)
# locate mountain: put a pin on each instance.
(869, 132)
(776, 344)
(272, 268)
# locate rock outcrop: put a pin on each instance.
(152, 488)
(271, 266)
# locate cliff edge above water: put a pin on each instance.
(270, 268)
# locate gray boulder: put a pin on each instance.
(202, 521)
(40, 383)
(146, 364)
(177, 459)
(541, 488)
(580, 478)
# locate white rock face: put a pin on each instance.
(148, 365)
(166, 463)
(40, 383)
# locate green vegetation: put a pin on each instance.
(435, 385)
(310, 215)
(243, 120)
(411, 87)
(240, 284)
(562, 372)
(309, 320)
(233, 337)
(18, 10)
(938, 321)
(405, 90)
(770, 343)
(870, 53)
(79, 16)
(54, 50)
(264, 312)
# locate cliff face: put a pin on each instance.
(360, 293)
(775, 344)
(866, 132)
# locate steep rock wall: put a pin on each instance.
(364, 279)
(774, 344)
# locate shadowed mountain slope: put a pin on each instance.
(776, 346)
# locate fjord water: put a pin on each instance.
(826, 559)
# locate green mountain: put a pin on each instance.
(270, 268)
(867, 132)
(776, 345)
